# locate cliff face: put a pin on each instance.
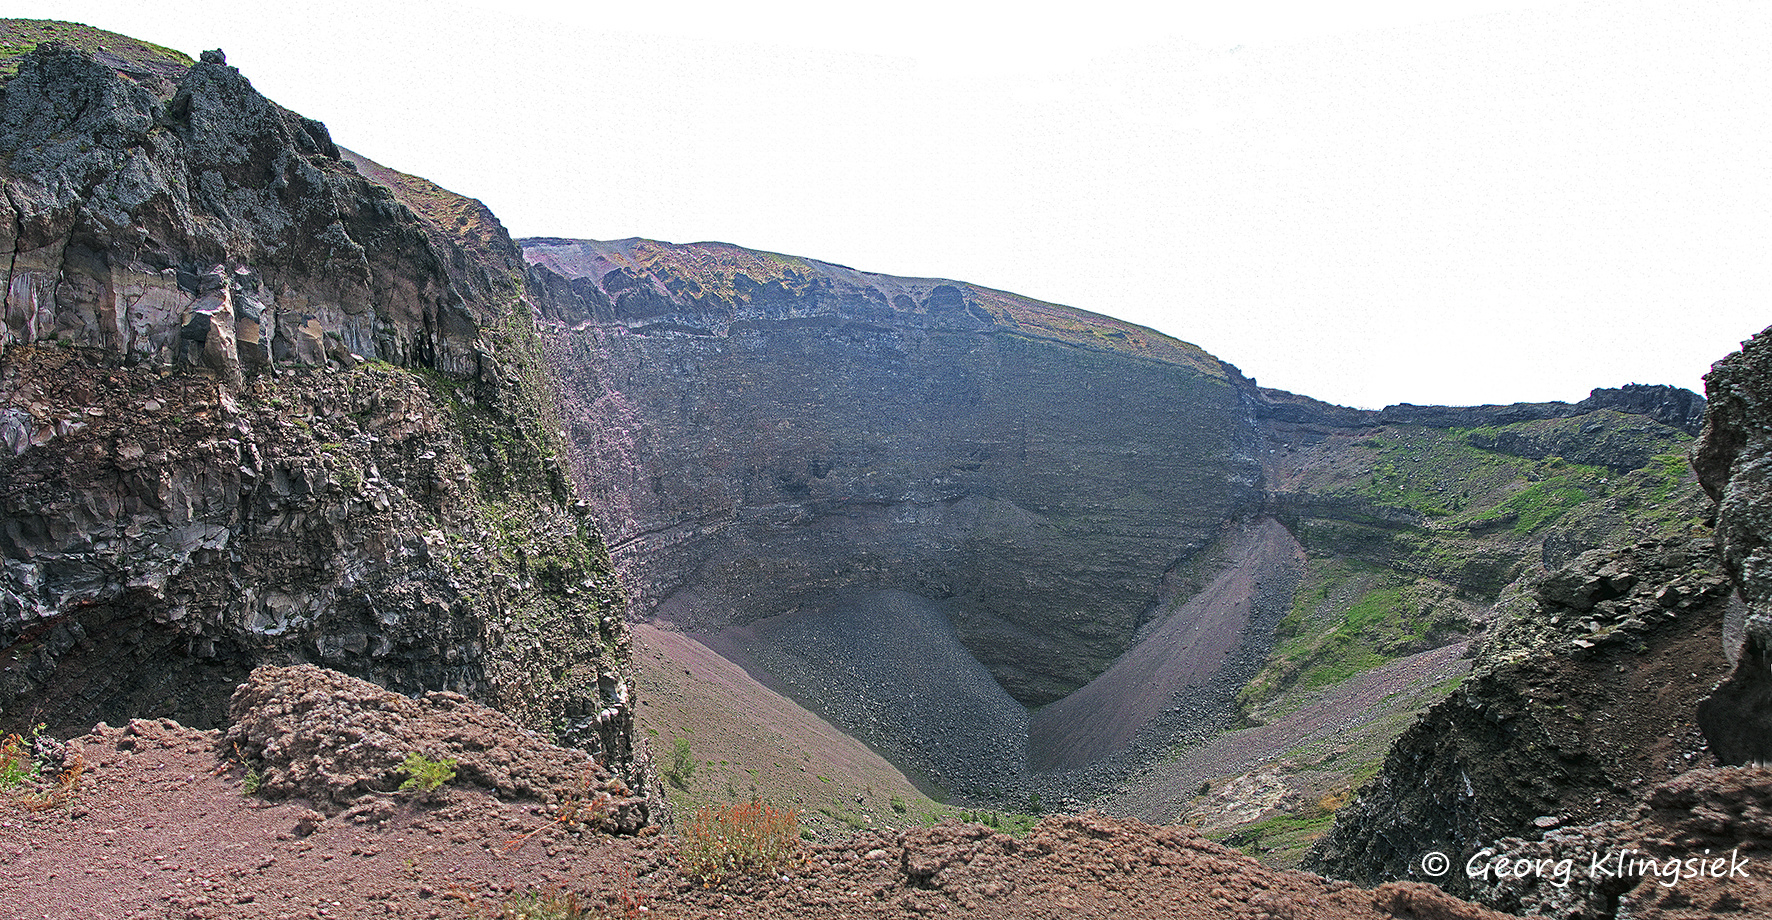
(1734, 460)
(265, 402)
(761, 434)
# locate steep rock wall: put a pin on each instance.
(762, 433)
(263, 402)
(1734, 463)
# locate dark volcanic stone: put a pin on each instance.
(1734, 463)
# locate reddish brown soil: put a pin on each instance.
(160, 828)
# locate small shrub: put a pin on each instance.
(899, 806)
(682, 765)
(424, 774)
(626, 902)
(253, 782)
(17, 764)
(753, 838)
(554, 905)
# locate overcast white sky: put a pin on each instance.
(1365, 202)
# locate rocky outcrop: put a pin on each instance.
(1734, 463)
(265, 402)
(1584, 699)
(1693, 847)
(761, 434)
(209, 228)
(334, 740)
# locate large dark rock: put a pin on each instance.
(1734, 463)
(121, 203)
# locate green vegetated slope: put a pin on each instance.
(19, 37)
(1414, 534)
(1413, 531)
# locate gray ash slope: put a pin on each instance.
(891, 662)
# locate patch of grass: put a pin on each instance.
(424, 774)
(1664, 474)
(1013, 823)
(551, 905)
(1542, 502)
(1288, 832)
(18, 37)
(1319, 646)
(60, 792)
(565, 904)
(842, 816)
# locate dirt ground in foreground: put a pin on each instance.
(160, 827)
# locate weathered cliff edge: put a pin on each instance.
(1584, 700)
(266, 402)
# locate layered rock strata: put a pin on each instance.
(763, 433)
(780, 448)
